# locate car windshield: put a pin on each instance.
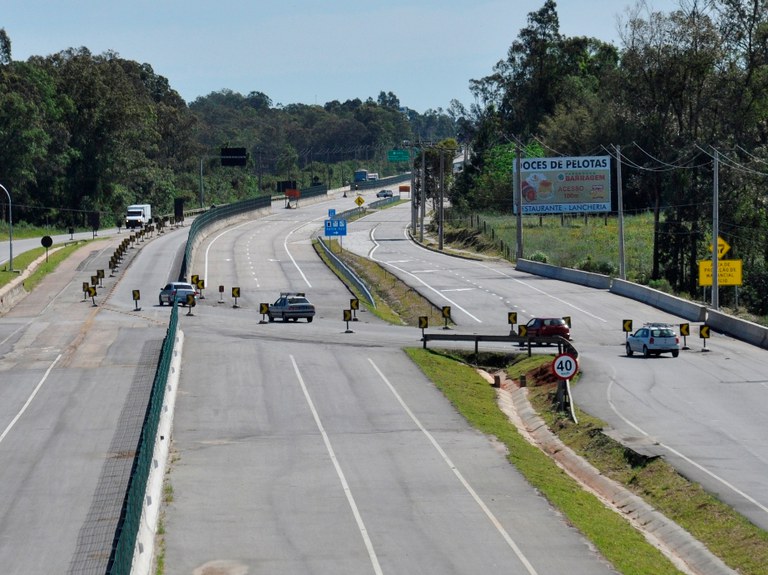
(295, 300)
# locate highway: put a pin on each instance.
(74, 380)
(301, 448)
(310, 448)
(703, 411)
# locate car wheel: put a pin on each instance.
(675, 353)
(309, 320)
(271, 319)
(294, 319)
(646, 353)
(629, 350)
(161, 302)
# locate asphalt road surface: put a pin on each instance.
(302, 448)
(75, 375)
(704, 411)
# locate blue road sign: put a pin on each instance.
(335, 227)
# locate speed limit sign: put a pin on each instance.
(565, 366)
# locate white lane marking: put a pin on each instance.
(285, 245)
(425, 284)
(345, 486)
(210, 245)
(562, 301)
(701, 468)
(496, 523)
(29, 399)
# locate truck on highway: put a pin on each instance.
(138, 215)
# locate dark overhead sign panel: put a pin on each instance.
(233, 156)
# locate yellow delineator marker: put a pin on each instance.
(704, 334)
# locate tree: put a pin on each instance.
(5, 47)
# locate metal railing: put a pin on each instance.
(121, 560)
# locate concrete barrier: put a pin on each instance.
(589, 279)
(738, 328)
(680, 307)
(153, 499)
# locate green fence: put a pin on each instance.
(130, 518)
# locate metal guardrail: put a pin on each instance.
(563, 345)
(348, 273)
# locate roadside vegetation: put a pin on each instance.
(739, 543)
(587, 243)
(25, 259)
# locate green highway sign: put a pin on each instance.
(398, 155)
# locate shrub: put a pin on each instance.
(540, 257)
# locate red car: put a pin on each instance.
(548, 327)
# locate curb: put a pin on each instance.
(686, 553)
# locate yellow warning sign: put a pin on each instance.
(728, 272)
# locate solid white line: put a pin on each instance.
(207, 249)
(29, 399)
(285, 245)
(496, 523)
(345, 486)
(526, 284)
(425, 284)
(701, 468)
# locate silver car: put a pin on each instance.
(178, 292)
(654, 339)
(291, 306)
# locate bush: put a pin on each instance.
(540, 257)
(661, 285)
(588, 265)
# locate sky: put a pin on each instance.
(305, 51)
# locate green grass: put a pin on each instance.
(23, 261)
(626, 548)
(396, 303)
(570, 241)
(726, 533)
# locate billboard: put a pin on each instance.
(565, 185)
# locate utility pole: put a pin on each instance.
(10, 229)
(440, 212)
(715, 233)
(518, 190)
(620, 194)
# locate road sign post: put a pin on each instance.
(423, 324)
(704, 334)
(565, 366)
(685, 331)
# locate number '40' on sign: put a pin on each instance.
(565, 366)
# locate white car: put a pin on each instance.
(291, 306)
(654, 339)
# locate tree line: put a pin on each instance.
(84, 134)
(682, 88)
(81, 132)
